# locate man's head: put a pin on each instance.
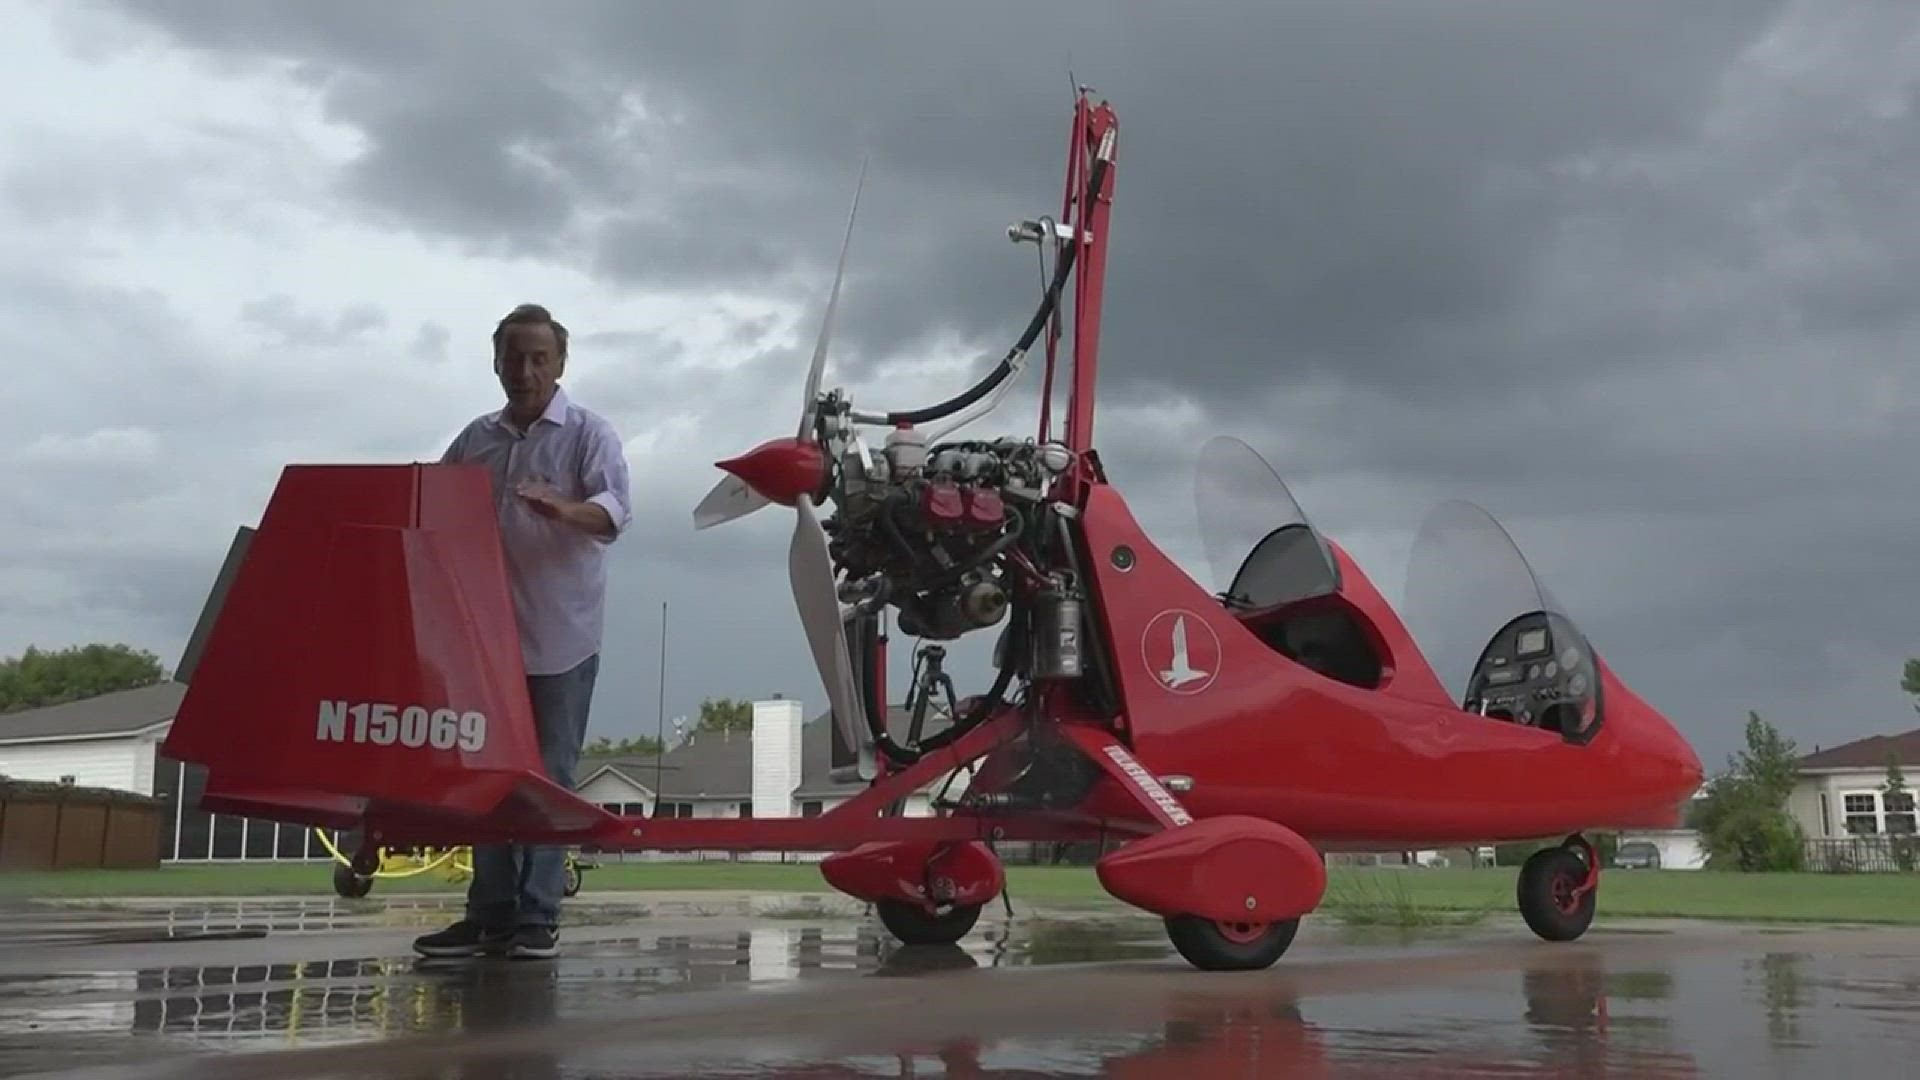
(529, 355)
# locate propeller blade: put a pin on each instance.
(811, 567)
(730, 498)
(808, 403)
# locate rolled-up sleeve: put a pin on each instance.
(604, 477)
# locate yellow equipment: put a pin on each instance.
(455, 864)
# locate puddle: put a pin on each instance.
(373, 997)
(1037, 996)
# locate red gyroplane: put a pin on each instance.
(357, 666)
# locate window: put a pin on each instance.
(1863, 812)
(1826, 815)
(810, 808)
(1899, 807)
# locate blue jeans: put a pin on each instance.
(520, 884)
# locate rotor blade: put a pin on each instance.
(730, 498)
(808, 403)
(811, 567)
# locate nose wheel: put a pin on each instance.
(1559, 888)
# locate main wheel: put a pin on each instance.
(349, 884)
(1217, 946)
(573, 879)
(912, 924)
(1546, 891)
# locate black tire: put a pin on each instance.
(1545, 893)
(348, 884)
(1209, 946)
(573, 880)
(911, 924)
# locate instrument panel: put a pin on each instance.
(1537, 671)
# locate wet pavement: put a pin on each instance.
(788, 987)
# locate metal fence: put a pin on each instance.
(1864, 854)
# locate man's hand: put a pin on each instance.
(544, 499)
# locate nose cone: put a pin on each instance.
(781, 469)
(1654, 762)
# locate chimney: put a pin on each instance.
(776, 757)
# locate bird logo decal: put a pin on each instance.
(1181, 651)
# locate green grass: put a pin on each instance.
(1396, 897)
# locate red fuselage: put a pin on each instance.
(1398, 765)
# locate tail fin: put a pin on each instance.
(364, 665)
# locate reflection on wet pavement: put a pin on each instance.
(747, 990)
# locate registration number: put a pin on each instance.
(411, 726)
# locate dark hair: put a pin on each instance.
(531, 315)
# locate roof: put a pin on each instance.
(122, 712)
(1868, 753)
(719, 765)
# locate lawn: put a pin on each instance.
(1367, 894)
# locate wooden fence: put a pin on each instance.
(64, 827)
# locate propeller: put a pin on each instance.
(789, 471)
(737, 495)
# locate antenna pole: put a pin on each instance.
(660, 754)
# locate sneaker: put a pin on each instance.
(464, 938)
(534, 943)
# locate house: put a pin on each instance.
(781, 769)
(1839, 791)
(108, 741)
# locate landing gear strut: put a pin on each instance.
(1558, 889)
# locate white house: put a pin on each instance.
(107, 741)
(1839, 793)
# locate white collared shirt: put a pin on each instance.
(556, 573)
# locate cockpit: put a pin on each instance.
(1472, 605)
(1287, 593)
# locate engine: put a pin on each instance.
(946, 533)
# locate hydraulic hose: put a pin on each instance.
(1039, 321)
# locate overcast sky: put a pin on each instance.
(1636, 277)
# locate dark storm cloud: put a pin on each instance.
(283, 316)
(1303, 185)
(1632, 275)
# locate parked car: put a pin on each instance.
(1637, 855)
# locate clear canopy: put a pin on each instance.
(1262, 549)
(1479, 613)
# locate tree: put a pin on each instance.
(726, 714)
(1744, 822)
(1895, 793)
(638, 746)
(38, 677)
(1910, 680)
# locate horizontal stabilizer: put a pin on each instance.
(364, 660)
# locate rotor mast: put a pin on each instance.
(1089, 199)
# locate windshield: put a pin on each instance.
(1259, 544)
(1497, 639)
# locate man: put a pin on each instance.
(561, 492)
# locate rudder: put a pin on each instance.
(365, 661)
